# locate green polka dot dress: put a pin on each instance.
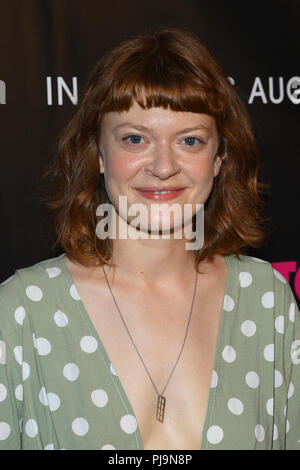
(59, 389)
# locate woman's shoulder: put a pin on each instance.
(257, 278)
(25, 292)
(47, 268)
(259, 267)
(253, 262)
(29, 284)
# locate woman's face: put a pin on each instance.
(158, 148)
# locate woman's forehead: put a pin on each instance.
(155, 117)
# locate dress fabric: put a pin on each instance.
(59, 390)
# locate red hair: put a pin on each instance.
(166, 68)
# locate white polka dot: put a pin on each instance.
(214, 379)
(34, 293)
(31, 428)
(291, 390)
(259, 260)
(270, 406)
(25, 370)
(267, 300)
(2, 352)
(128, 424)
(20, 315)
(279, 324)
(88, 344)
(259, 432)
(53, 401)
(80, 426)
(215, 434)
(49, 399)
(21, 424)
(4, 431)
(99, 398)
(229, 354)
(3, 392)
(43, 346)
(295, 351)
(279, 276)
(112, 370)
(248, 328)
(49, 447)
(275, 432)
(53, 272)
(19, 392)
(228, 304)
(284, 410)
(18, 353)
(61, 319)
(107, 447)
(287, 426)
(269, 353)
(43, 396)
(252, 379)
(245, 279)
(235, 406)
(34, 340)
(277, 378)
(71, 371)
(292, 312)
(74, 292)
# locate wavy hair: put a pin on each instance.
(165, 68)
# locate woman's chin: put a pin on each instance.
(157, 228)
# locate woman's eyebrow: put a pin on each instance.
(131, 124)
(144, 128)
(195, 128)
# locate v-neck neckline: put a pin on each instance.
(212, 390)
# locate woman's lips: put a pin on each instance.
(160, 195)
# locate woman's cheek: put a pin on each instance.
(203, 170)
(122, 164)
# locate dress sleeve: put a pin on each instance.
(11, 388)
(291, 365)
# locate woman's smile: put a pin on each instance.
(160, 195)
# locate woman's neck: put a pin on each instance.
(157, 263)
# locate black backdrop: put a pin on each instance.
(48, 48)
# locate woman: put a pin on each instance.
(140, 343)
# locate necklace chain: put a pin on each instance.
(161, 399)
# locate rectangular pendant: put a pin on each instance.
(160, 412)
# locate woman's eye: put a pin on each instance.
(134, 139)
(192, 141)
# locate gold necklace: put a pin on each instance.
(161, 401)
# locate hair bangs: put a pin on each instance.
(161, 83)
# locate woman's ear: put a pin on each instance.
(217, 164)
(101, 164)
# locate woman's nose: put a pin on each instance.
(162, 163)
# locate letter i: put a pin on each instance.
(49, 91)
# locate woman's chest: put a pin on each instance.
(171, 357)
(85, 387)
